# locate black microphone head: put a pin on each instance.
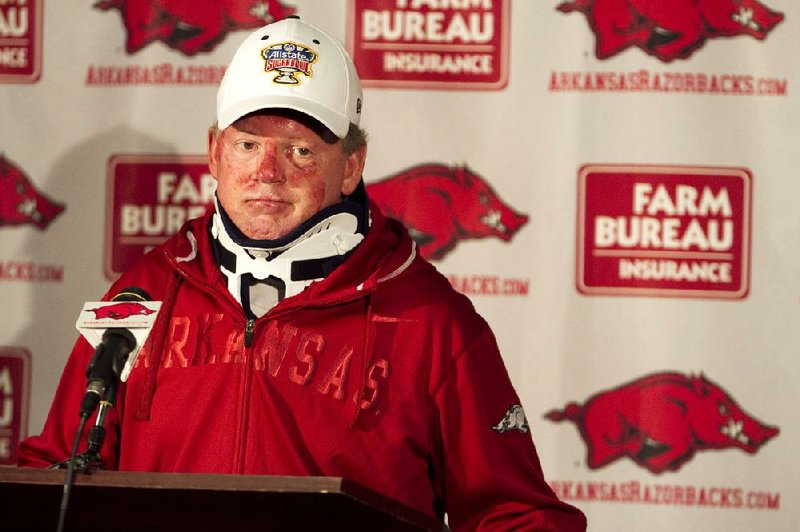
(132, 293)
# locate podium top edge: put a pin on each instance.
(187, 481)
(206, 482)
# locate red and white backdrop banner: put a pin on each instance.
(612, 182)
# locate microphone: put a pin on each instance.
(113, 349)
(106, 365)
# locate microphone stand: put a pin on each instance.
(90, 459)
(68, 481)
(103, 373)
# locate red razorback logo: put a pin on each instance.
(441, 205)
(670, 30)
(191, 27)
(120, 311)
(20, 202)
(660, 421)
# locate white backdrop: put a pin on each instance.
(526, 137)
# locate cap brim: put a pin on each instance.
(338, 124)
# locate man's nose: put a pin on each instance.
(268, 167)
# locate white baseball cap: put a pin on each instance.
(291, 64)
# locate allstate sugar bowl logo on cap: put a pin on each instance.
(288, 59)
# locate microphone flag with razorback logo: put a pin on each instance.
(131, 309)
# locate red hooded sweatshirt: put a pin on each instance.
(381, 373)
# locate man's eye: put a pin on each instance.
(300, 151)
(247, 145)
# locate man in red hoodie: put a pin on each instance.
(300, 332)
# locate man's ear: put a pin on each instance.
(354, 168)
(213, 162)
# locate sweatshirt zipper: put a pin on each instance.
(248, 331)
(247, 385)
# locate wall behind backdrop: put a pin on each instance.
(621, 206)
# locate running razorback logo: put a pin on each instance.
(670, 30)
(20, 202)
(513, 419)
(120, 311)
(661, 420)
(191, 27)
(442, 205)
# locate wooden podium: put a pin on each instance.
(116, 501)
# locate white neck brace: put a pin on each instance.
(261, 273)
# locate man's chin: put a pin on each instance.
(267, 228)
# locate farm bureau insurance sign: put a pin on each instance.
(20, 41)
(433, 44)
(15, 383)
(664, 231)
(149, 198)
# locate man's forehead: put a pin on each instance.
(301, 118)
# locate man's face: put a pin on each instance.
(274, 172)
